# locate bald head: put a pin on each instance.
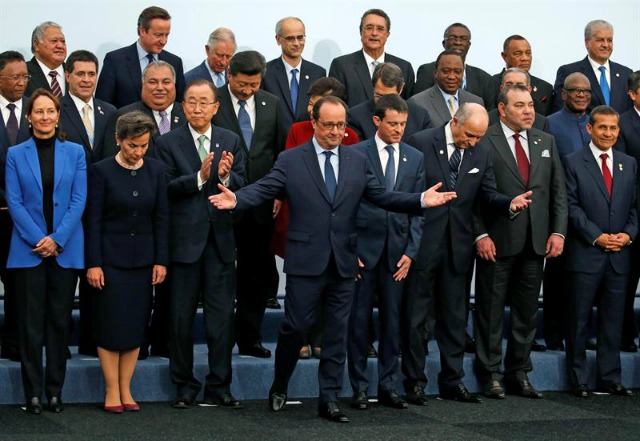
(469, 125)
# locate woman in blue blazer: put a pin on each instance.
(46, 191)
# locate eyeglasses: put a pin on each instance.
(17, 77)
(194, 104)
(331, 126)
(578, 91)
(294, 38)
(370, 28)
(461, 39)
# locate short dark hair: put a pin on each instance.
(389, 74)
(390, 102)
(633, 81)
(315, 113)
(602, 110)
(511, 38)
(515, 70)
(456, 25)
(80, 55)
(201, 82)
(248, 63)
(379, 13)
(9, 57)
(447, 52)
(504, 92)
(60, 134)
(328, 86)
(148, 14)
(134, 124)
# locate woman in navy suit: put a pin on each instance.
(127, 252)
(46, 191)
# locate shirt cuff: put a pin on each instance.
(482, 236)
(201, 182)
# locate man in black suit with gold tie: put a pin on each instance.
(46, 68)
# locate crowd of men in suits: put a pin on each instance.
(529, 172)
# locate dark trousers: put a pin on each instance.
(45, 297)
(583, 295)
(255, 268)
(158, 332)
(555, 301)
(446, 288)
(216, 280)
(302, 296)
(518, 277)
(10, 328)
(86, 294)
(377, 279)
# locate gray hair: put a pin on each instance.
(38, 32)
(595, 25)
(518, 71)
(222, 34)
(157, 64)
(467, 110)
(134, 124)
(280, 24)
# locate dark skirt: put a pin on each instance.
(122, 308)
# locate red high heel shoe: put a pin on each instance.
(131, 407)
(114, 409)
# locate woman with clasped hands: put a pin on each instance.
(46, 191)
(127, 252)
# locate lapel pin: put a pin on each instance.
(535, 89)
(535, 142)
(441, 152)
(306, 77)
(100, 110)
(264, 104)
(404, 158)
(176, 119)
(620, 167)
(217, 145)
(617, 74)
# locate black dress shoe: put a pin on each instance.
(331, 412)
(616, 389)
(90, 351)
(592, 344)
(462, 394)
(469, 344)
(581, 391)
(273, 303)
(538, 347)
(10, 353)
(55, 405)
(629, 346)
(555, 346)
(143, 354)
(183, 401)
(277, 400)
(359, 400)
(68, 353)
(494, 389)
(391, 398)
(524, 388)
(160, 351)
(257, 350)
(417, 396)
(224, 400)
(34, 406)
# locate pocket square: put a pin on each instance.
(545, 154)
(474, 170)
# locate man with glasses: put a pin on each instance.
(355, 70)
(288, 77)
(14, 78)
(219, 49)
(199, 156)
(608, 79)
(457, 37)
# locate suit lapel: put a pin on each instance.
(228, 114)
(362, 71)
(177, 116)
(595, 171)
(403, 164)
(133, 65)
(31, 155)
(69, 107)
(442, 155)
(501, 146)
(536, 149)
(100, 119)
(311, 161)
(440, 105)
(596, 92)
(189, 148)
(60, 162)
(465, 166)
(283, 84)
(345, 170)
(374, 160)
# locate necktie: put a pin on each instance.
(164, 126)
(202, 151)
(294, 89)
(373, 66)
(606, 173)
(521, 159)
(454, 165)
(390, 170)
(86, 120)
(245, 124)
(55, 86)
(452, 105)
(604, 86)
(329, 176)
(151, 58)
(12, 124)
(219, 79)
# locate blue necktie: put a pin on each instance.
(219, 79)
(294, 90)
(390, 170)
(245, 124)
(454, 165)
(151, 58)
(604, 86)
(329, 175)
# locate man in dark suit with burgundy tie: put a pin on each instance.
(120, 79)
(14, 129)
(46, 68)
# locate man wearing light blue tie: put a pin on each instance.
(219, 49)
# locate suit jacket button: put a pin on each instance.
(135, 193)
(333, 214)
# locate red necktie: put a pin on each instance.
(521, 159)
(606, 173)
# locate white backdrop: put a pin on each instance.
(554, 28)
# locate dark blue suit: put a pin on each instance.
(436, 284)
(383, 238)
(202, 256)
(200, 72)
(322, 255)
(276, 81)
(594, 273)
(120, 81)
(619, 76)
(360, 118)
